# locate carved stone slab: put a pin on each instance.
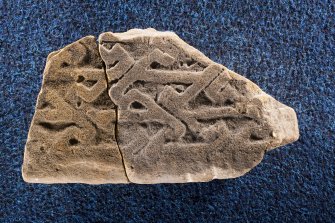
(72, 135)
(145, 107)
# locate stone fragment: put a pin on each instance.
(72, 135)
(171, 115)
(183, 117)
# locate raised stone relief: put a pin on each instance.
(72, 135)
(145, 107)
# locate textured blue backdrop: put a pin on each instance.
(287, 48)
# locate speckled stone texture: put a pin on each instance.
(286, 47)
(171, 115)
(181, 117)
(72, 135)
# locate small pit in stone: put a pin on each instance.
(137, 106)
(73, 141)
(155, 65)
(80, 79)
(64, 64)
(228, 102)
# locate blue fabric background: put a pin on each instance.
(286, 47)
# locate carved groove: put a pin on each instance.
(56, 126)
(175, 98)
(74, 123)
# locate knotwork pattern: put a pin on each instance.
(180, 104)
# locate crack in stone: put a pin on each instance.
(116, 119)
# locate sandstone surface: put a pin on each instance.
(145, 107)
